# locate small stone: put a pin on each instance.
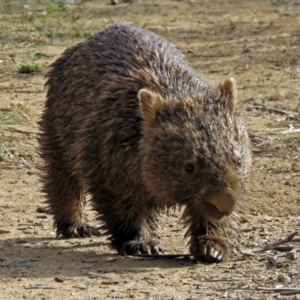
(290, 256)
(283, 278)
(295, 166)
(244, 59)
(245, 218)
(59, 278)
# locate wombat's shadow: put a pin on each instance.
(73, 261)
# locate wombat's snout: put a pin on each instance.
(223, 200)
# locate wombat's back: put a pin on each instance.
(92, 115)
(121, 57)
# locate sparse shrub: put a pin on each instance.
(27, 68)
(4, 154)
(36, 55)
(53, 34)
(10, 118)
(84, 34)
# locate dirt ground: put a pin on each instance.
(256, 42)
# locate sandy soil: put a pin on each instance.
(257, 43)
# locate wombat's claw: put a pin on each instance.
(210, 252)
(76, 230)
(139, 247)
(209, 248)
(157, 250)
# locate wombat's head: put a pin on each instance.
(195, 151)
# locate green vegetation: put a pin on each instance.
(53, 7)
(6, 7)
(4, 154)
(53, 34)
(26, 68)
(36, 55)
(9, 118)
(74, 19)
(84, 34)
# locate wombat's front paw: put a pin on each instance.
(76, 229)
(136, 247)
(209, 248)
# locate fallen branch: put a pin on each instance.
(94, 274)
(250, 229)
(5, 109)
(282, 291)
(28, 91)
(293, 130)
(39, 288)
(79, 287)
(275, 256)
(285, 248)
(289, 293)
(275, 245)
(22, 129)
(272, 109)
(25, 162)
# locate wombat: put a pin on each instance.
(129, 122)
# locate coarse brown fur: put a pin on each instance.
(128, 121)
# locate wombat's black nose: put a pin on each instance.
(224, 200)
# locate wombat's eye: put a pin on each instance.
(189, 167)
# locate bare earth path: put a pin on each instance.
(257, 43)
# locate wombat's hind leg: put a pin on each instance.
(68, 211)
(76, 229)
(65, 198)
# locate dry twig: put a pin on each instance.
(272, 109)
(275, 245)
(282, 291)
(25, 162)
(94, 274)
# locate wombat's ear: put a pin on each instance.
(228, 93)
(150, 103)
